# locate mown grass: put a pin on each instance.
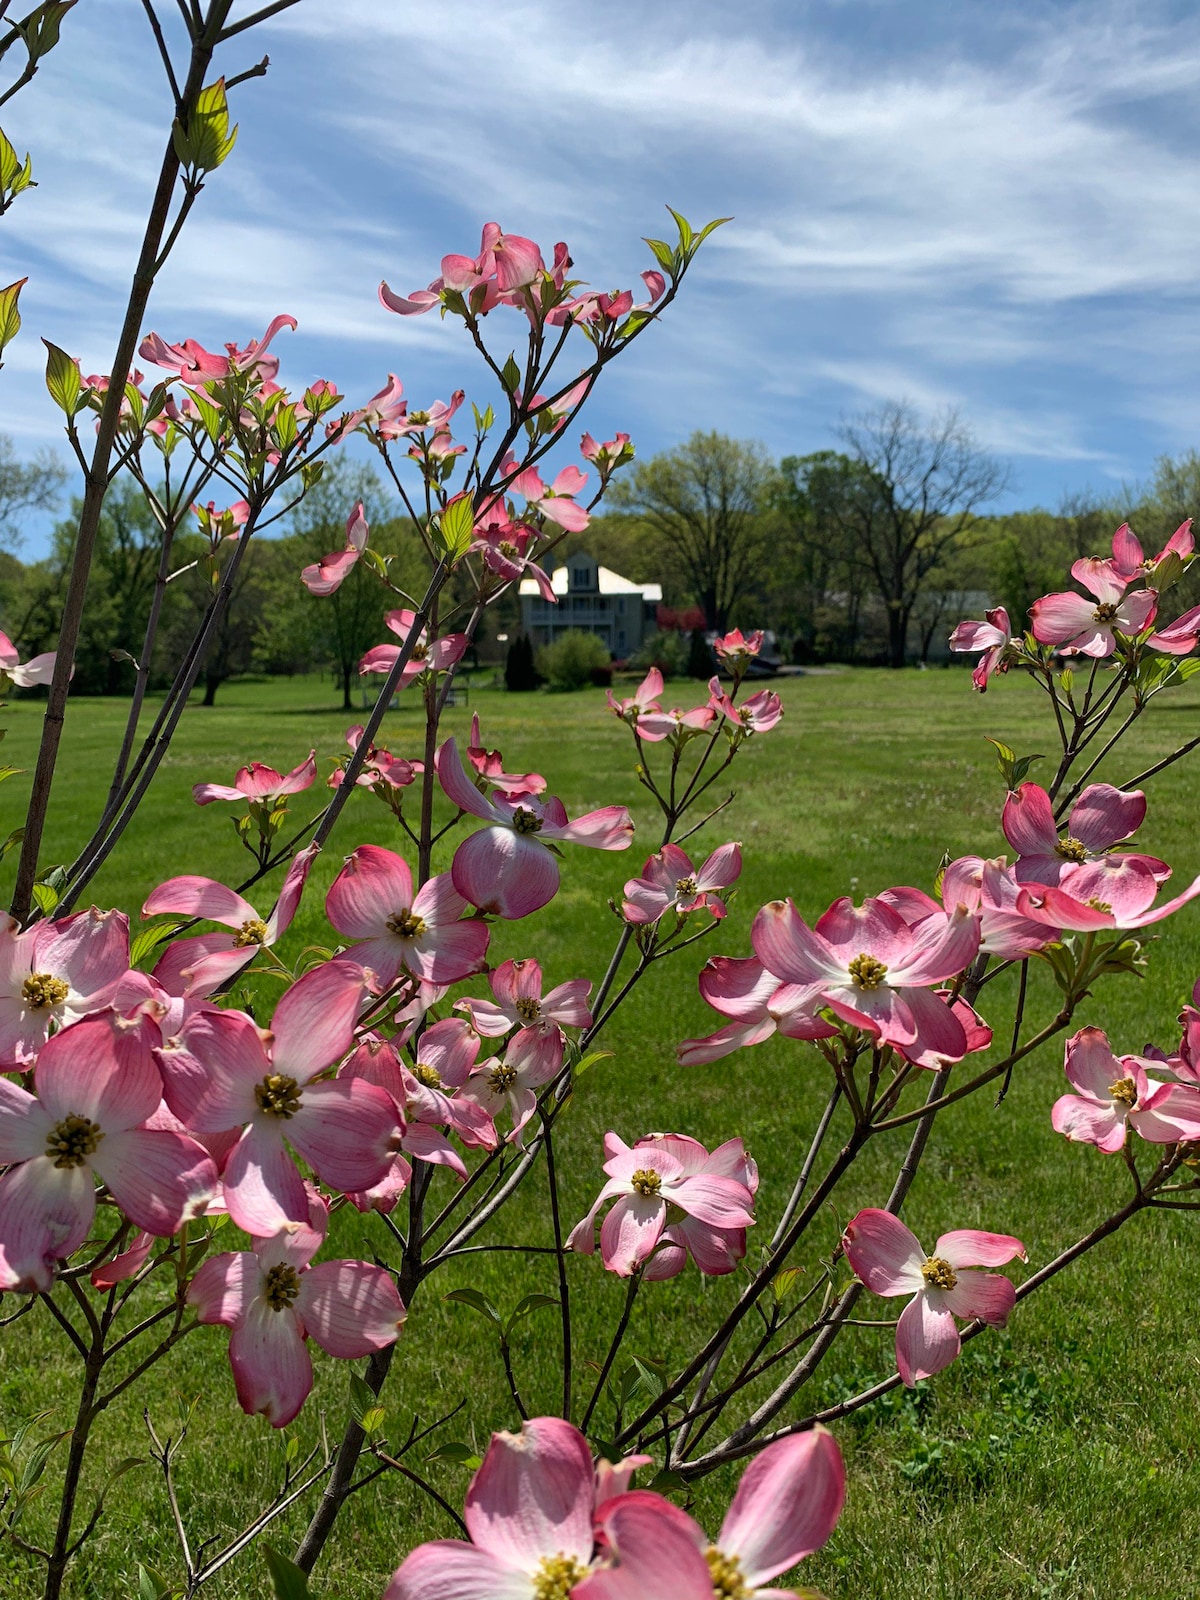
(1055, 1460)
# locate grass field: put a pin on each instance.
(1058, 1459)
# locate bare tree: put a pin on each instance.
(914, 503)
(706, 500)
(26, 486)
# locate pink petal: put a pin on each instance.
(505, 873)
(1059, 617)
(722, 868)
(1028, 821)
(90, 949)
(926, 1340)
(126, 1265)
(350, 1308)
(102, 1068)
(940, 1034)
(610, 828)
(787, 946)
(280, 919)
(630, 1232)
(345, 1131)
(719, 1202)
(968, 1247)
(532, 1496)
(1104, 815)
(738, 987)
(786, 1506)
(224, 1287)
(263, 1190)
(210, 1069)
(160, 1180)
(45, 1212)
(939, 951)
(885, 1254)
(659, 1553)
(733, 1036)
(448, 1569)
(24, 1124)
(1085, 1122)
(199, 897)
(373, 885)
(986, 1295)
(457, 784)
(272, 1370)
(1091, 1066)
(313, 1025)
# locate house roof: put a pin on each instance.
(608, 582)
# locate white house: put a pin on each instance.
(591, 599)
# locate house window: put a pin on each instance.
(621, 606)
(581, 577)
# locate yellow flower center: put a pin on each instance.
(1071, 849)
(938, 1274)
(508, 548)
(646, 1182)
(685, 888)
(556, 1576)
(282, 1286)
(252, 931)
(278, 1095)
(525, 822)
(727, 1580)
(1124, 1091)
(867, 971)
(429, 1076)
(406, 925)
(527, 1008)
(72, 1141)
(40, 990)
(419, 652)
(502, 1077)
(1105, 613)
(1100, 905)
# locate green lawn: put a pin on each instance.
(1055, 1460)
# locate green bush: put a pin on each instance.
(667, 651)
(569, 662)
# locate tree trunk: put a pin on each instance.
(211, 684)
(347, 702)
(897, 635)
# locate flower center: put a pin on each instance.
(252, 931)
(938, 1274)
(278, 1095)
(419, 652)
(685, 888)
(41, 990)
(556, 1576)
(1071, 849)
(867, 971)
(646, 1182)
(727, 1580)
(72, 1141)
(406, 924)
(1100, 905)
(1124, 1092)
(502, 1077)
(1105, 613)
(508, 548)
(429, 1076)
(525, 822)
(282, 1286)
(527, 1008)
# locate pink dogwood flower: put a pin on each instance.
(670, 883)
(758, 714)
(1079, 626)
(195, 364)
(530, 1062)
(326, 576)
(714, 1250)
(737, 650)
(38, 669)
(273, 1300)
(55, 973)
(760, 1005)
(381, 771)
(489, 764)
(786, 1506)
(607, 457)
(1129, 560)
(557, 501)
(520, 1004)
(874, 971)
(639, 704)
(990, 889)
(889, 1259)
(1112, 1095)
(260, 785)
(222, 1072)
(646, 1182)
(1100, 819)
(655, 725)
(96, 1085)
(1102, 894)
(504, 546)
(372, 900)
(993, 637)
(1178, 638)
(219, 527)
(528, 1512)
(427, 656)
(198, 965)
(506, 866)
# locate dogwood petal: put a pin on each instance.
(504, 872)
(987, 1295)
(733, 1036)
(449, 1569)
(927, 1340)
(280, 919)
(1028, 821)
(224, 1287)
(885, 1254)
(46, 1212)
(630, 1231)
(350, 1308)
(1087, 1122)
(969, 1247)
(344, 1130)
(373, 884)
(786, 1506)
(532, 1496)
(313, 1025)
(101, 1068)
(457, 783)
(210, 1070)
(1104, 815)
(262, 1188)
(272, 1369)
(25, 1124)
(159, 1179)
(199, 897)
(787, 946)
(1058, 617)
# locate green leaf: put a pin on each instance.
(151, 1584)
(590, 1061)
(362, 1398)
(147, 940)
(664, 1481)
(208, 139)
(45, 897)
(210, 416)
(462, 1455)
(288, 1580)
(1066, 678)
(784, 1282)
(510, 373)
(664, 255)
(477, 1302)
(685, 229)
(35, 1462)
(10, 317)
(373, 1419)
(62, 378)
(40, 29)
(525, 1307)
(456, 528)
(710, 227)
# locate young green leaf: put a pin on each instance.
(62, 378)
(477, 1302)
(10, 317)
(289, 1581)
(523, 1308)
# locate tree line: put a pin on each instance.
(868, 553)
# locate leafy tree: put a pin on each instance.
(26, 486)
(706, 502)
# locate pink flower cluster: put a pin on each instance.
(644, 713)
(546, 1523)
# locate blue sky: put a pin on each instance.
(995, 207)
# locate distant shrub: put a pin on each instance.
(569, 662)
(666, 650)
(701, 663)
(520, 674)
